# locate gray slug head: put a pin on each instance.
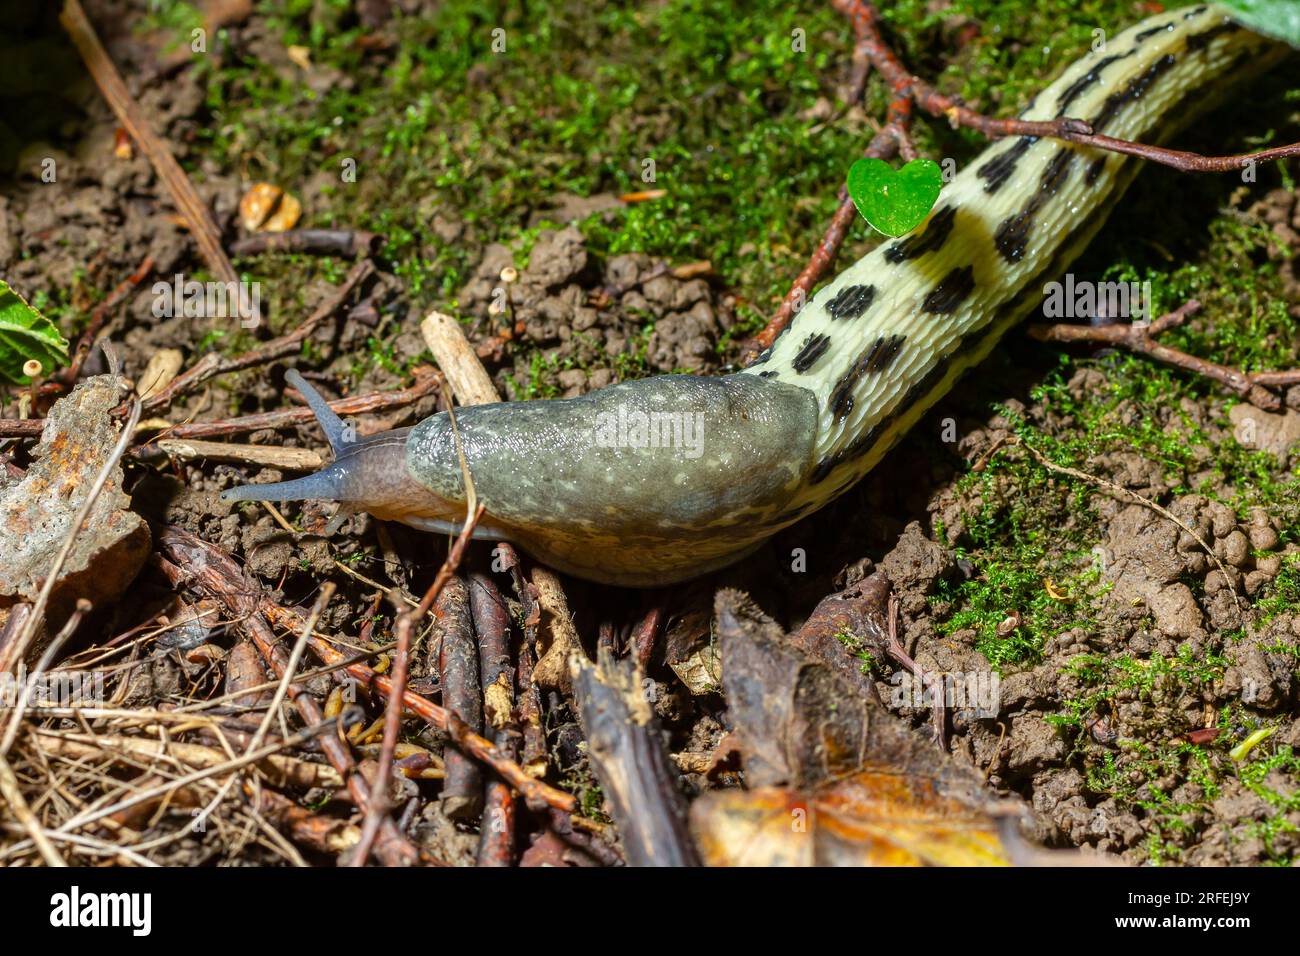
(642, 483)
(367, 474)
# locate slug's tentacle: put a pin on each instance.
(335, 431)
(367, 473)
(654, 481)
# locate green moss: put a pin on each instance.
(1254, 777)
(868, 664)
(1283, 596)
(1029, 549)
(1154, 680)
(1137, 777)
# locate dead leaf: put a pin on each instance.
(300, 55)
(877, 817)
(164, 365)
(701, 672)
(838, 779)
(498, 701)
(266, 207)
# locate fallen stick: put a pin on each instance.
(426, 381)
(628, 755)
(469, 380)
(132, 118)
(193, 562)
(491, 617)
(1142, 340)
(280, 770)
(273, 456)
(456, 660)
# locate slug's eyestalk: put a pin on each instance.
(367, 474)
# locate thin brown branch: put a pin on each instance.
(97, 318)
(379, 800)
(427, 380)
(454, 656)
(884, 145)
(1119, 491)
(866, 24)
(1142, 339)
(491, 618)
(214, 364)
(132, 118)
(1182, 160)
(193, 562)
(535, 791)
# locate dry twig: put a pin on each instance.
(129, 114)
(1142, 339)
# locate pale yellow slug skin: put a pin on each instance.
(875, 348)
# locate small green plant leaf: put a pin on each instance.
(894, 201)
(1274, 18)
(26, 335)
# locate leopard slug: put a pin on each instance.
(654, 481)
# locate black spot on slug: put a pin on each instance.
(1012, 235)
(999, 169)
(851, 301)
(767, 374)
(1133, 91)
(1195, 12)
(1147, 34)
(1199, 41)
(813, 348)
(931, 239)
(972, 343)
(1079, 86)
(1055, 172)
(824, 467)
(877, 357)
(951, 292)
(1095, 169)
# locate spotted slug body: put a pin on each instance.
(655, 481)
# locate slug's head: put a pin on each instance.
(367, 474)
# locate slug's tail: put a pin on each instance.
(362, 472)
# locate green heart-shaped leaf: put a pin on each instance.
(895, 202)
